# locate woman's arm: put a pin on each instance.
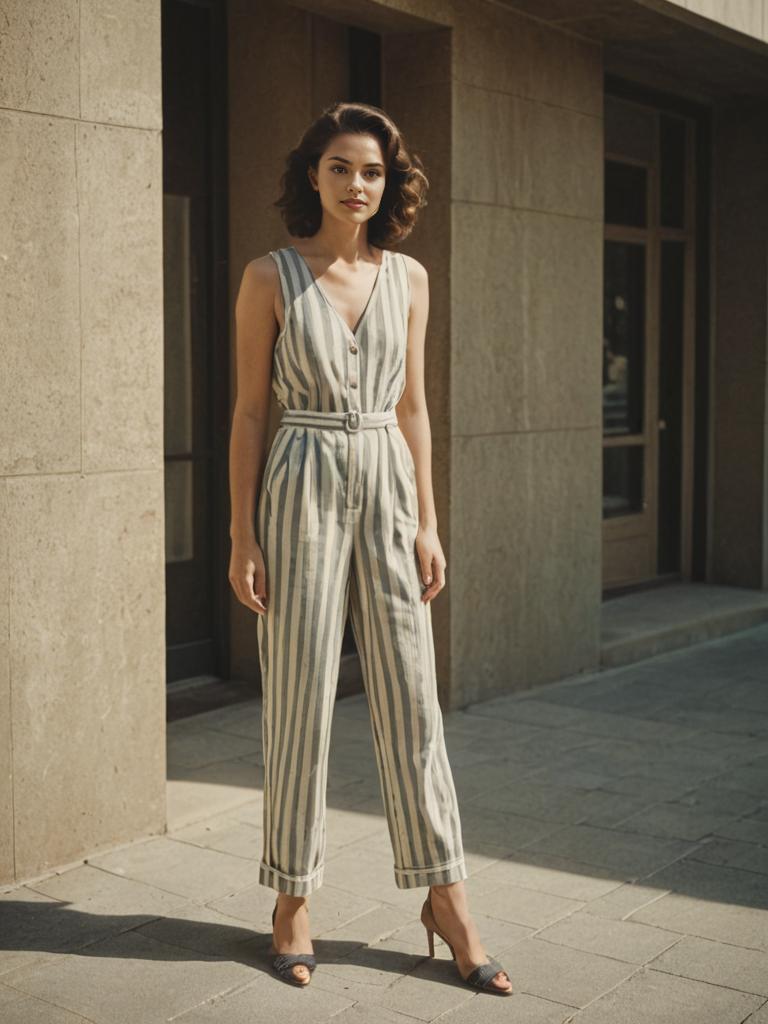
(256, 331)
(413, 417)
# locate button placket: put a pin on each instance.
(353, 426)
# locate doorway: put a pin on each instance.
(654, 395)
(196, 331)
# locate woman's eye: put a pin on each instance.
(373, 171)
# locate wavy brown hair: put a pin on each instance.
(405, 184)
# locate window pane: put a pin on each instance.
(622, 480)
(625, 194)
(623, 337)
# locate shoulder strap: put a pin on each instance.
(288, 272)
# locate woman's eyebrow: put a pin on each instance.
(345, 161)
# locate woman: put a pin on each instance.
(345, 522)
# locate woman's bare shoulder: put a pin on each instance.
(261, 268)
(417, 274)
(260, 278)
(416, 270)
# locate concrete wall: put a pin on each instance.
(747, 16)
(526, 299)
(82, 681)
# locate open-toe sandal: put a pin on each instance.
(480, 976)
(284, 963)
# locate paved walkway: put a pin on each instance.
(616, 832)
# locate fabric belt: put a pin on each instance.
(352, 420)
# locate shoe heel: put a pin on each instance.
(431, 941)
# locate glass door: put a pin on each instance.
(648, 267)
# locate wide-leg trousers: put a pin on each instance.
(337, 520)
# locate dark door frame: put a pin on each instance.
(701, 114)
(217, 364)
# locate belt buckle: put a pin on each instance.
(353, 420)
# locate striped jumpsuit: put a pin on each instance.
(337, 518)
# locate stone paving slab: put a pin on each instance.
(368, 928)
(520, 1008)
(203, 928)
(750, 830)
(616, 837)
(547, 801)
(725, 922)
(268, 1001)
(368, 1013)
(547, 873)
(629, 941)
(565, 974)
(130, 977)
(225, 833)
(675, 821)
(733, 853)
(195, 794)
(431, 988)
(518, 905)
(65, 912)
(201, 747)
(624, 900)
(716, 964)
(177, 867)
(28, 1010)
(629, 855)
(652, 997)
(9, 995)
(714, 796)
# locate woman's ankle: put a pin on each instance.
(292, 903)
(444, 890)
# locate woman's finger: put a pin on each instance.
(438, 581)
(244, 590)
(259, 589)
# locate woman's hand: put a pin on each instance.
(247, 575)
(431, 562)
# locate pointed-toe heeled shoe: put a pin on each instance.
(482, 974)
(284, 963)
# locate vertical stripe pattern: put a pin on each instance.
(337, 520)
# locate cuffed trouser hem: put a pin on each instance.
(438, 874)
(294, 885)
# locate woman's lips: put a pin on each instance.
(353, 203)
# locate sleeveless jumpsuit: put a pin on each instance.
(337, 518)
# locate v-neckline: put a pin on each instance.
(352, 331)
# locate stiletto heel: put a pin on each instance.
(284, 963)
(481, 975)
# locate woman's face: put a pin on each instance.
(352, 166)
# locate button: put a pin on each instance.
(353, 348)
(353, 383)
